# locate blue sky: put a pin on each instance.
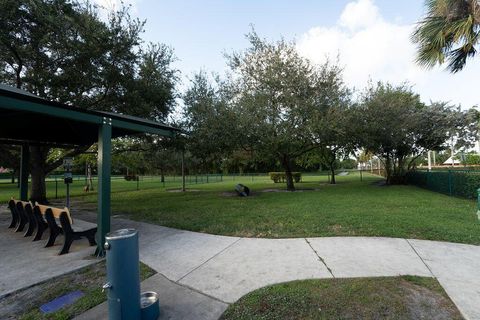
(371, 38)
(200, 31)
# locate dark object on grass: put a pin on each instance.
(243, 191)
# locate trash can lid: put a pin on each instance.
(121, 234)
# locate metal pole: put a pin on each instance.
(183, 170)
(478, 203)
(434, 162)
(104, 183)
(68, 196)
(452, 153)
(429, 161)
(450, 182)
(379, 167)
(24, 161)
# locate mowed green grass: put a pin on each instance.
(350, 208)
(404, 298)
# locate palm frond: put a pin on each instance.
(449, 31)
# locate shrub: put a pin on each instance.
(278, 177)
(348, 164)
(471, 159)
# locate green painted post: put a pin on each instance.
(450, 182)
(24, 161)
(104, 183)
(478, 203)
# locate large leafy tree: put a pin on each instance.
(450, 32)
(209, 121)
(276, 93)
(397, 127)
(61, 50)
(332, 117)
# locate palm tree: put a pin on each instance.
(449, 32)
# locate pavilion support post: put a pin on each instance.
(24, 163)
(104, 187)
(183, 170)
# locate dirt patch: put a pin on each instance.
(229, 194)
(380, 183)
(284, 190)
(421, 303)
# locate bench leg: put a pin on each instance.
(51, 239)
(68, 239)
(40, 229)
(21, 224)
(14, 222)
(91, 239)
(31, 228)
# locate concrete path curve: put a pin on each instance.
(200, 274)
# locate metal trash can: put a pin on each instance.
(123, 277)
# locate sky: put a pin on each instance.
(370, 38)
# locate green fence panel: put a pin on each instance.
(459, 183)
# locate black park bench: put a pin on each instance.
(22, 214)
(60, 221)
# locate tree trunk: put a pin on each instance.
(332, 170)
(388, 170)
(13, 176)
(38, 157)
(288, 173)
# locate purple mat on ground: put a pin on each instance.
(61, 302)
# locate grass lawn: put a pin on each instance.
(350, 208)
(24, 305)
(403, 298)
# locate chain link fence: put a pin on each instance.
(459, 183)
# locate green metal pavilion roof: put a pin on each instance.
(27, 118)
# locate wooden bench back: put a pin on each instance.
(56, 211)
(24, 203)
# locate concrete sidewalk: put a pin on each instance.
(200, 274)
(25, 263)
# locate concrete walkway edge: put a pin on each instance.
(213, 271)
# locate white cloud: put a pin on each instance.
(369, 47)
(360, 14)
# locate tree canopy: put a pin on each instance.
(396, 126)
(62, 51)
(276, 94)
